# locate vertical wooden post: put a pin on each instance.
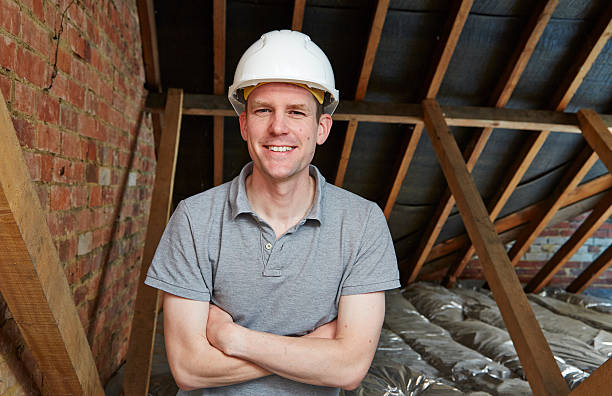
(531, 346)
(32, 280)
(142, 336)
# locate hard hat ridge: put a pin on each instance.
(284, 56)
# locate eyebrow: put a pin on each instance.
(298, 106)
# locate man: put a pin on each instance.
(274, 281)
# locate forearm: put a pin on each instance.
(204, 366)
(317, 361)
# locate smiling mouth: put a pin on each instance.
(280, 149)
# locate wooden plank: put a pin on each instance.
(596, 218)
(535, 355)
(589, 51)
(592, 272)
(566, 91)
(527, 44)
(148, 37)
(511, 180)
(150, 55)
(219, 16)
(572, 176)
(444, 52)
(298, 15)
(139, 356)
(598, 383)
(506, 86)
(523, 216)
(597, 135)
(409, 147)
(32, 280)
(442, 58)
(362, 84)
(405, 113)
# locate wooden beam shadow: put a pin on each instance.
(534, 352)
(33, 282)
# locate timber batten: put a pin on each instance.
(33, 282)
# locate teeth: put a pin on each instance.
(280, 148)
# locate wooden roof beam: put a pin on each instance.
(444, 53)
(589, 52)
(298, 15)
(142, 336)
(150, 55)
(597, 135)
(506, 86)
(598, 216)
(592, 272)
(516, 219)
(32, 280)
(404, 113)
(364, 77)
(582, 64)
(572, 176)
(219, 16)
(598, 383)
(535, 355)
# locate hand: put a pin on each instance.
(217, 327)
(328, 330)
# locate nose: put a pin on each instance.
(278, 124)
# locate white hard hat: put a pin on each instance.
(284, 56)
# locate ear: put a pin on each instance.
(243, 127)
(325, 124)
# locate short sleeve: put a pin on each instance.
(176, 268)
(375, 266)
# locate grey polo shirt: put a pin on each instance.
(216, 248)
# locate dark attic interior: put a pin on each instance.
(481, 128)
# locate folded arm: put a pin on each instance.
(194, 362)
(339, 362)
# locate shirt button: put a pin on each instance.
(268, 246)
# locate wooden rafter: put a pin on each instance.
(452, 31)
(506, 86)
(586, 57)
(298, 15)
(511, 221)
(597, 135)
(572, 176)
(444, 53)
(32, 280)
(536, 357)
(364, 77)
(596, 218)
(592, 272)
(139, 356)
(150, 55)
(582, 64)
(219, 15)
(598, 383)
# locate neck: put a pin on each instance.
(282, 204)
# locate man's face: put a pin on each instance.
(281, 129)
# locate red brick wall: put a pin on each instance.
(90, 151)
(545, 246)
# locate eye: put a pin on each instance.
(261, 111)
(297, 113)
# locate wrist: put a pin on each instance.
(231, 339)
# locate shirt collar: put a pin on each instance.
(239, 202)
